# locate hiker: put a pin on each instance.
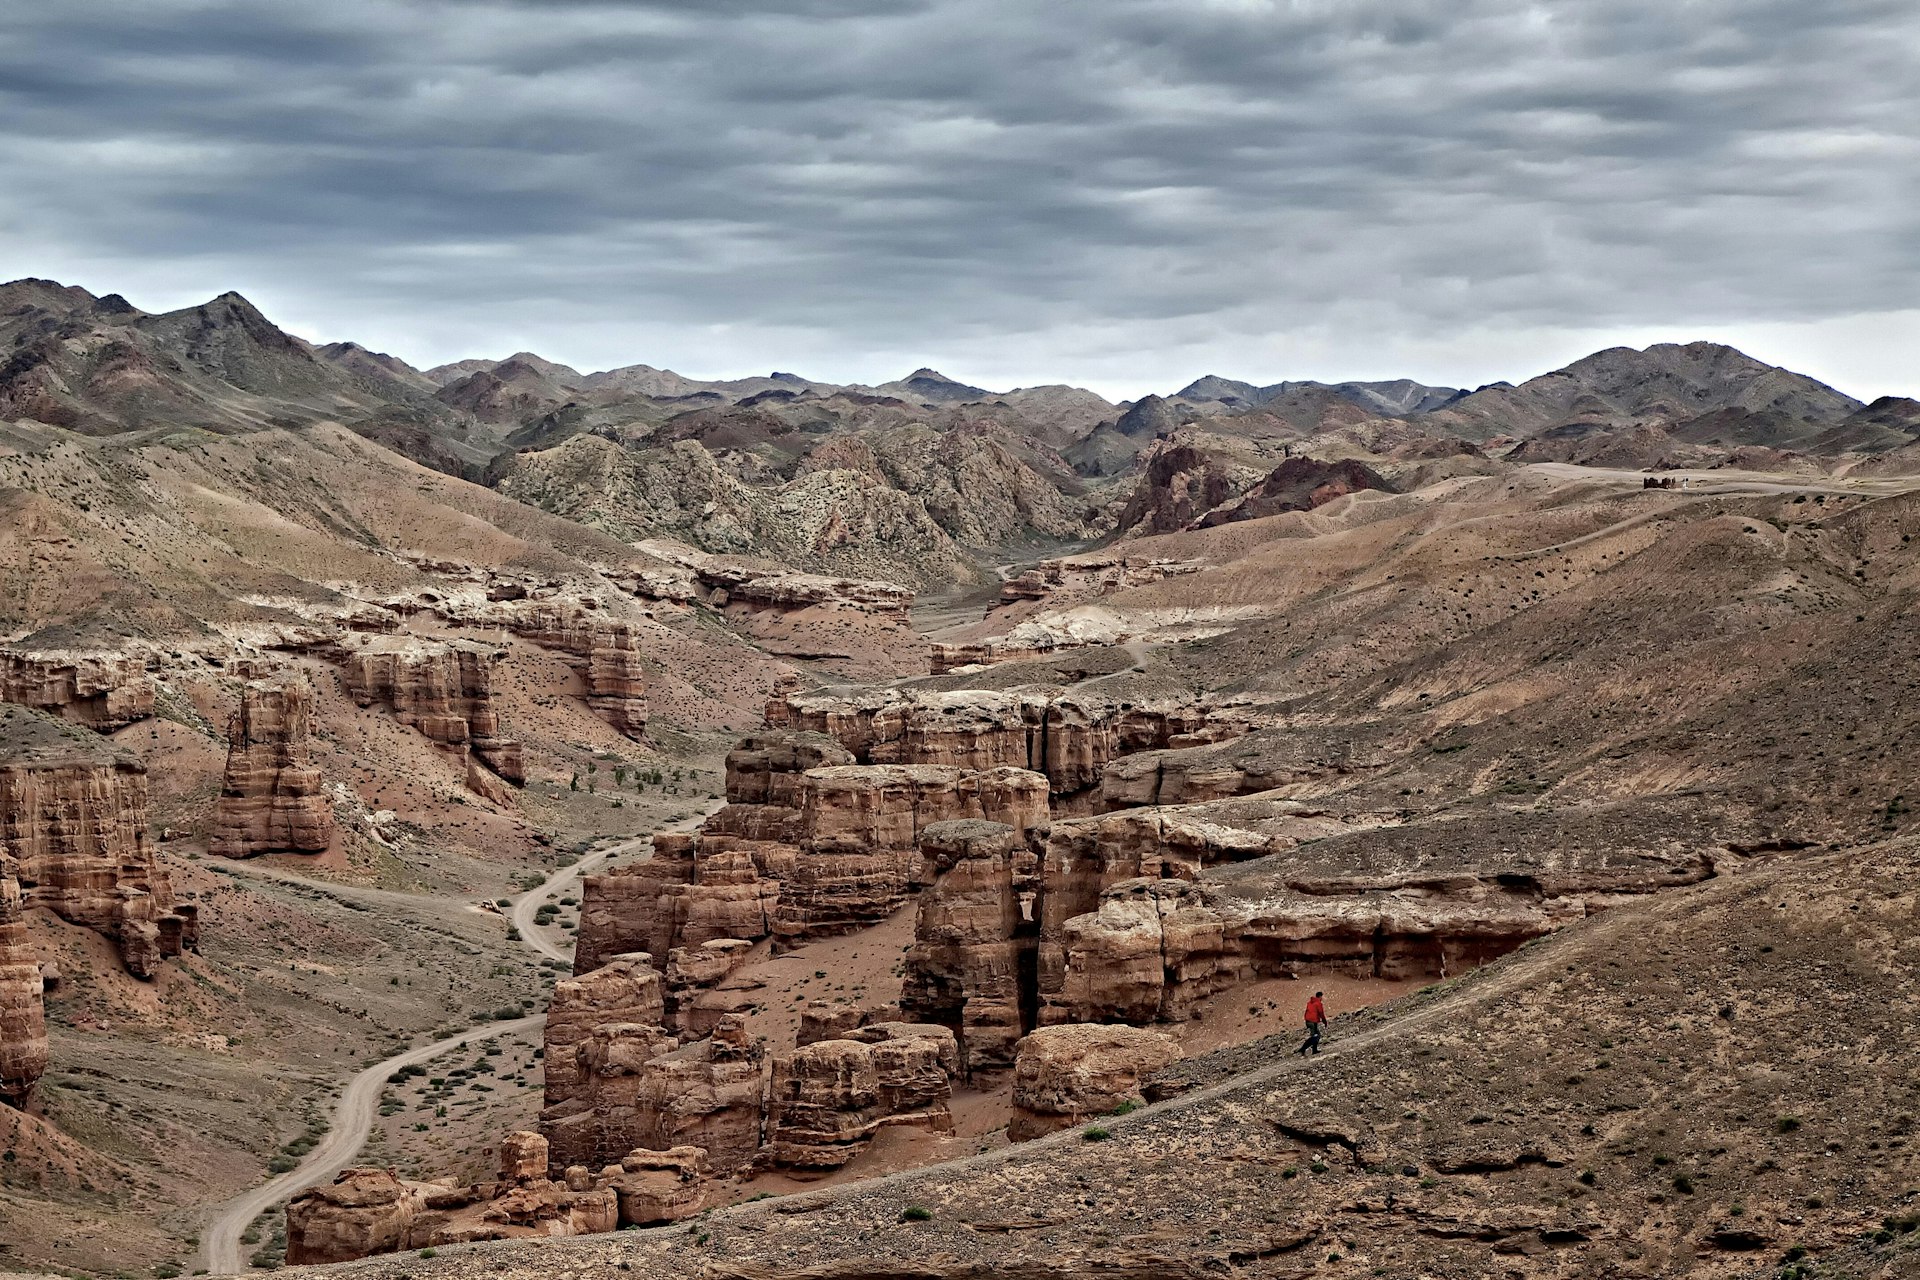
(1316, 1018)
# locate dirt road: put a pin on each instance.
(220, 1247)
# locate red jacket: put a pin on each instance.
(1316, 1012)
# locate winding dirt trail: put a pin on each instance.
(220, 1247)
(352, 1120)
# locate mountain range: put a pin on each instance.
(923, 479)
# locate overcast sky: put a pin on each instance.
(1118, 193)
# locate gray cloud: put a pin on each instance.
(1108, 191)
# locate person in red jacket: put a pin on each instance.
(1316, 1018)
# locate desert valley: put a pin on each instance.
(499, 820)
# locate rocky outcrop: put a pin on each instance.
(841, 854)
(860, 833)
(633, 1092)
(445, 690)
(73, 813)
(658, 1187)
(270, 796)
(1298, 484)
(1144, 913)
(829, 1099)
(1073, 578)
(102, 689)
(616, 681)
(705, 985)
(1068, 737)
(23, 1027)
(1067, 1074)
(971, 964)
(626, 991)
(604, 650)
(1152, 950)
(368, 1211)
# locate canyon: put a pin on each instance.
(928, 810)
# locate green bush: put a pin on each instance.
(915, 1213)
(1096, 1134)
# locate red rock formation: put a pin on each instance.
(1067, 737)
(704, 985)
(658, 1187)
(630, 1093)
(73, 812)
(844, 856)
(23, 1028)
(625, 991)
(270, 798)
(829, 1099)
(1152, 950)
(616, 681)
(1067, 1074)
(605, 650)
(369, 1211)
(102, 689)
(445, 690)
(970, 967)
(860, 835)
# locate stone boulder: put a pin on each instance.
(270, 796)
(363, 1212)
(658, 1187)
(1066, 1074)
(370, 1211)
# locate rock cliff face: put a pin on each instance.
(828, 1099)
(270, 797)
(633, 1088)
(1067, 1074)
(1069, 738)
(971, 965)
(605, 651)
(73, 813)
(23, 1028)
(102, 690)
(445, 690)
(618, 1081)
(369, 1211)
(624, 991)
(806, 846)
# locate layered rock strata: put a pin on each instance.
(73, 813)
(971, 966)
(633, 1087)
(626, 991)
(604, 650)
(270, 796)
(445, 690)
(827, 1100)
(101, 689)
(368, 1211)
(842, 856)
(1066, 1074)
(1146, 913)
(1067, 737)
(23, 1027)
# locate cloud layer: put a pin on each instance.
(1117, 192)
